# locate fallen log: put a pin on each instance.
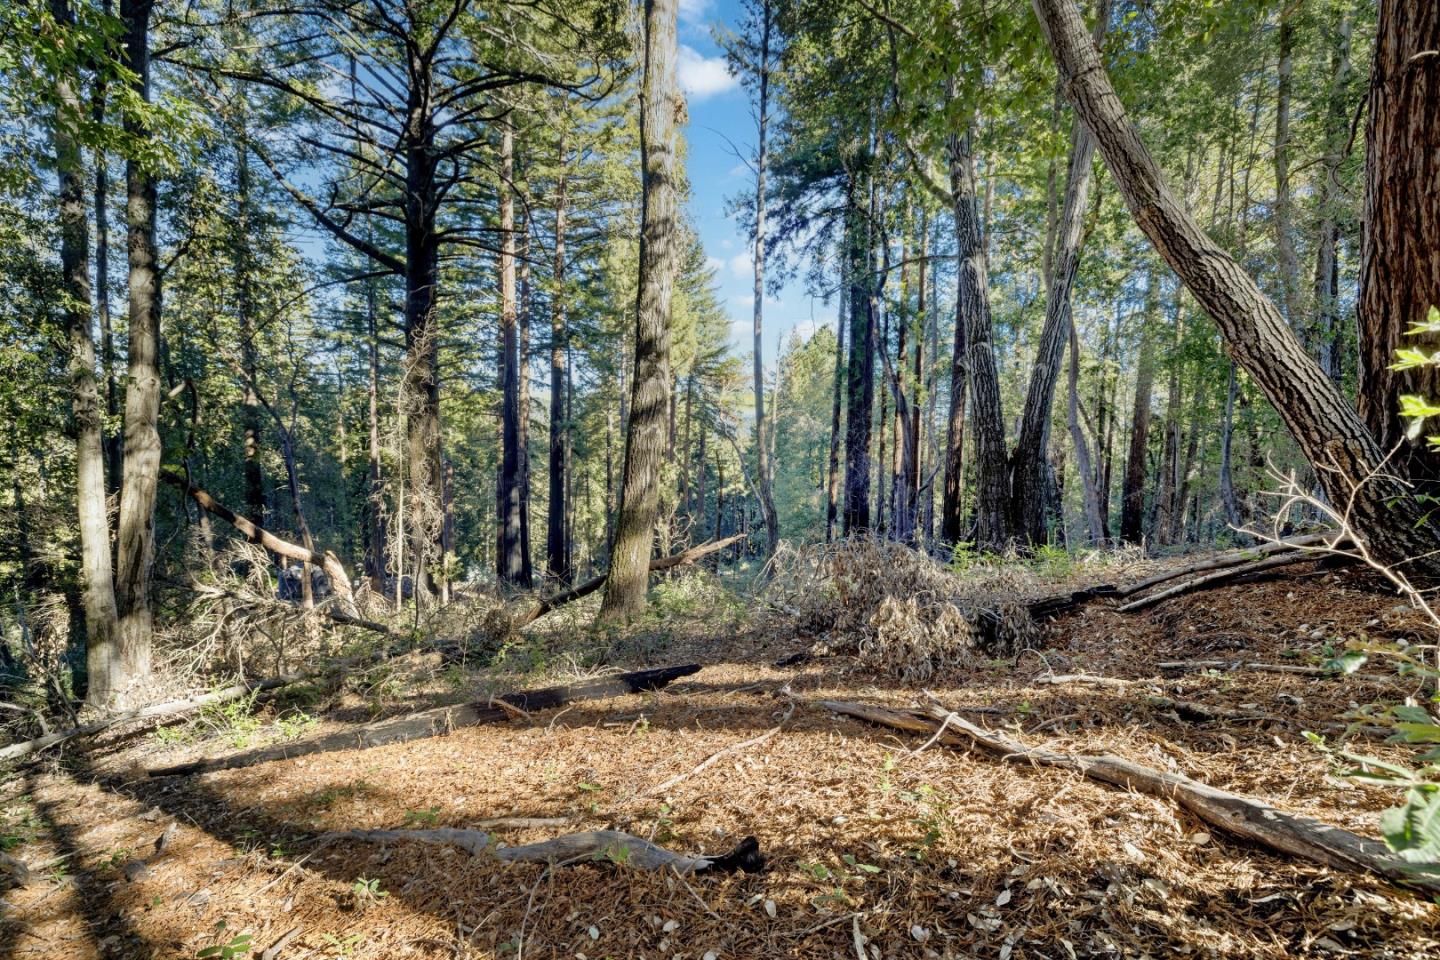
(1219, 576)
(440, 720)
(258, 535)
(555, 601)
(1234, 558)
(1241, 816)
(1191, 666)
(591, 846)
(169, 708)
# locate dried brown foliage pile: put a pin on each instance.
(897, 610)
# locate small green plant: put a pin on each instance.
(237, 946)
(367, 892)
(295, 725)
(342, 946)
(427, 817)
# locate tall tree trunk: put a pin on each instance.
(244, 263)
(522, 376)
(510, 565)
(378, 555)
(762, 113)
(837, 392)
(1328, 329)
(973, 318)
(625, 586)
(112, 440)
(1132, 511)
(1284, 238)
(558, 557)
(1384, 513)
(420, 382)
(102, 653)
(1027, 463)
(1400, 247)
(135, 542)
(860, 371)
(1094, 522)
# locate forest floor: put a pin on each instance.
(873, 850)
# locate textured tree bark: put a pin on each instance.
(860, 370)
(1347, 458)
(626, 583)
(558, 554)
(1228, 500)
(1400, 245)
(112, 441)
(527, 562)
(987, 419)
(243, 261)
(510, 565)
(420, 381)
(102, 654)
(762, 117)
(135, 542)
(1094, 522)
(1132, 510)
(1028, 461)
(377, 556)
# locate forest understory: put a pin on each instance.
(873, 847)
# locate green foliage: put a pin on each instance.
(237, 946)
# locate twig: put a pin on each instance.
(720, 754)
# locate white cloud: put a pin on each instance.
(742, 266)
(714, 263)
(702, 77)
(693, 11)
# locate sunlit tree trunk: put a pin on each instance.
(625, 586)
(104, 667)
(558, 554)
(135, 542)
(762, 115)
(510, 565)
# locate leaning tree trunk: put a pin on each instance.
(1333, 437)
(135, 541)
(97, 584)
(510, 563)
(659, 241)
(1400, 247)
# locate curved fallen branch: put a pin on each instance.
(440, 720)
(555, 601)
(1241, 816)
(591, 846)
(258, 535)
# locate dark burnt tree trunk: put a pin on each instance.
(510, 561)
(1400, 246)
(625, 586)
(559, 560)
(1332, 435)
(860, 368)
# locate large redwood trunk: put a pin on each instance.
(1348, 459)
(1400, 250)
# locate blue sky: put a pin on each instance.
(720, 109)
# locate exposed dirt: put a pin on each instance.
(870, 847)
